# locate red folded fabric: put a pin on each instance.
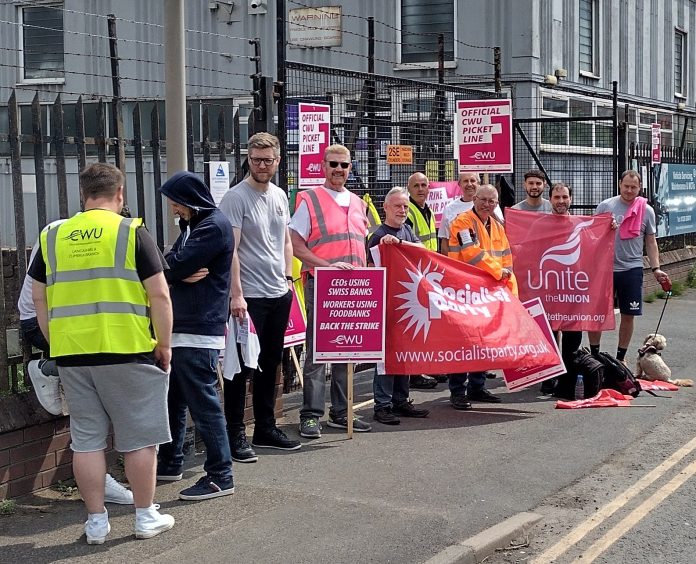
(632, 221)
(605, 398)
(657, 385)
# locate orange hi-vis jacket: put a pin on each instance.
(335, 236)
(470, 242)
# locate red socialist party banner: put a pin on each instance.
(567, 262)
(446, 316)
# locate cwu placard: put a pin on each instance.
(675, 199)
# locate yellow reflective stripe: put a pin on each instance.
(98, 307)
(333, 238)
(478, 258)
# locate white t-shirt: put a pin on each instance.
(301, 222)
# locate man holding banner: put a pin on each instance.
(261, 285)
(421, 220)
(328, 229)
(477, 237)
(636, 225)
(391, 392)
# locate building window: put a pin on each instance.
(593, 137)
(679, 63)
(421, 23)
(588, 37)
(42, 43)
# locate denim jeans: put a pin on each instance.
(389, 390)
(458, 384)
(270, 318)
(192, 384)
(314, 375)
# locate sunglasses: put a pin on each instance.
(336, 164)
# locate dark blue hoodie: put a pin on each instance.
(200, 308)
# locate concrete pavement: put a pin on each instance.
(397, 494)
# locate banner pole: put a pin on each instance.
(349, 414)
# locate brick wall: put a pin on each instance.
(677, 264)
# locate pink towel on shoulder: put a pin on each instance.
(632, 221)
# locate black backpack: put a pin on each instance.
(611, 373)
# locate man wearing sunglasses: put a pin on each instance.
(328, 229)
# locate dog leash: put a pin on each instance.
(669, 293)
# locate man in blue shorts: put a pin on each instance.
(628, 255)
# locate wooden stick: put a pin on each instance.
(296, 362)
(349, 414)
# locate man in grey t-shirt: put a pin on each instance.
(261, 286)
(628, 259)
(534, 184)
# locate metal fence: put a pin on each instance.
(44, 171)
(640, 155)
(370, 112)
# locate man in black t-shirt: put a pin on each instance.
(391, 392)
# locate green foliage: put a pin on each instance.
(677, 290)
(8, 507)
(650, 298)
(691, 277)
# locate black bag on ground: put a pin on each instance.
(612, 373)
(592, 371)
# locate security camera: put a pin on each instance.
(255, 4)
(258, 6)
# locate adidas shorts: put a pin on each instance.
(628, 291)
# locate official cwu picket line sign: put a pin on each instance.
(483, 131)
(567, 262)
(446, 316)
(314, 123)
(349, 314)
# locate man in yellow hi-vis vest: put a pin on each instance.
(99, 291)
(421, 220)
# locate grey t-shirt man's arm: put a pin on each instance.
(262, 218)
(628, 253)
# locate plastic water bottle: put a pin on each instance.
(579, 388)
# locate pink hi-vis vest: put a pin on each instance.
(335, 236)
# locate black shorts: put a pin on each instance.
(628, 291)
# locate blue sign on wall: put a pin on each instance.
(675, 199)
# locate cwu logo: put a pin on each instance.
(347, 340)
(85, 234)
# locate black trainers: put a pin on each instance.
(275, 438)
(423, 382)
(460, 402)
(385, 416)
(482, 395)
(406, 409)
(207, 488)
(241, 449)
(342, 423)
(167, 473)
(310, 428)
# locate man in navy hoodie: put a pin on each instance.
(199, 279)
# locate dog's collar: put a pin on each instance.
(647, 349)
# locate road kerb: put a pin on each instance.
(474, 549)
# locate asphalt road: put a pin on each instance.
(402, 494)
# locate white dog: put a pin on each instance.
(650, 364)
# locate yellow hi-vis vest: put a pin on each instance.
(96, 301)
(373, 219)
(425, 231)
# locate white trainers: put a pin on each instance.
(46, 388)
(149, 522)
(97, 527)
(116, 493)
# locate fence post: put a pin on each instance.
(440, 105)
(116, 103)
(281, 98)
(190, 163)
(205, 143)
(101, 132)
(39, 169)
(157, 173)
(237, 148)
(59, 145)
(497, 70)
(222, 149)
(80, 135)
(615, 128)
(371, 105)
(138, 146)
